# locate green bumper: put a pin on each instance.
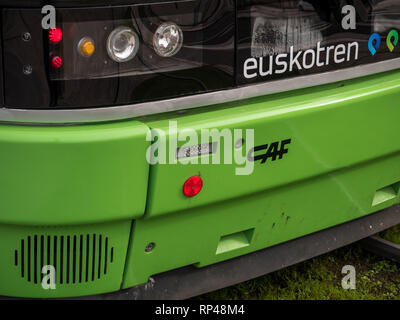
(85, 200)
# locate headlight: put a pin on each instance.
(168, 39)
(122, 44)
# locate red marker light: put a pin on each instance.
(192, 186)
(55, 35)
(56, 62)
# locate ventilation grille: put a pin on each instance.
(76, 258)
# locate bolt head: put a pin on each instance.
(150, 247)
(239, 143)
(26, 36)
(27, 70)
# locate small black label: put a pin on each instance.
(274, 151)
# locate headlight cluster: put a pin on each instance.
(114, 55)
(123, 43)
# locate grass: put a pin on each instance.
(320, 278)
(392, 234)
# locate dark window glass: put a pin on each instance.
(288, 38)
(204, 63)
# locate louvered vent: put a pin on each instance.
(76, 258)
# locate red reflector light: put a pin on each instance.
(56, 62)
(55, 35)
(192, 186)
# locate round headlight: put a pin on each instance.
(168, 39)
(122, 44)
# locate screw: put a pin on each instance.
(26, 36)
(150, 247)
(239, 143)
(27, 70)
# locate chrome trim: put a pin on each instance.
(76, 116)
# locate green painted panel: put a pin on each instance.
(330, 128)
(343, 163)
(193, 236)
(344, 149)
(72, 175)
(88, 259)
